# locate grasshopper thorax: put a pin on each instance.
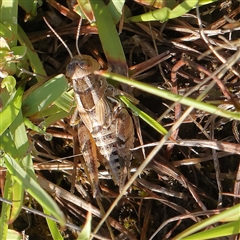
(81, 66)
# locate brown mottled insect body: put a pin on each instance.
(106, 126)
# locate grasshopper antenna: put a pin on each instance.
(77, 36)
(64, 44)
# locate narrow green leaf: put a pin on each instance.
(169, 12)
(35, 128)
(55, 117)
(44, 95)
(17, 201)
(86, 231)
(212, 220)
(150, 121)
(19, 52)
(6, 33)
(109, 37)
(115, 8)
(205, 2)
(170, 96)
(30, 7)
(14, 235)
(56, 235)
(11, 110)
(227, 229)
(33, 57)
(66, 102)
(33, 188)
(156, 15)
(86, 9)
(10, 83)
(7, 144)
(182, 8)
(6, 208)
(20, 139)
(9, 17)
(19, 135)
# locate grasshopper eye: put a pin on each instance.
(85, 64)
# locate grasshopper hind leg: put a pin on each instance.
(89, 151)
(125, 142)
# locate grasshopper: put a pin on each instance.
(106, 128)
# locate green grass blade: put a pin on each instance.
(150, 121)
(84, 9)
(233, 211)
(109, 37)
(86, 231)
(35, 128)
(55, 117)
(10, 83)
(6, 33)
(33, 57)
(17, 201)
(156, 15)
(182, 8)
(19, 135)
(66, 102)
(169, 11)
(7, 145)
(115, 8)
(33, 188)
(227, 229)
(56, 235)
(10, 110)
(30, 7)
(170, 96)
(6, 208)
(9, 16)
(63, 106)
(14, 235)
(44, 95)
(205, 2)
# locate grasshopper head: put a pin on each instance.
(81, 66)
